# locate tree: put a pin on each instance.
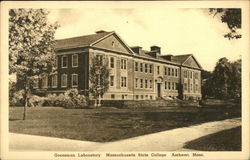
(31, 40)
(225, 81)
(99, 78)
(232, 17)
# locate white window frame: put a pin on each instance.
(136, 82)
(112, 81)
(54, 78)
(66, 61)
(111, 61)
(62, 78)
(137, 66)
(124, 82)
(36, 83)
(46, 80)
(150, 83)
(72, 75)
(123, 63)
(73, 60)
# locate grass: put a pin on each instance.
(227, 140)
(110, 124)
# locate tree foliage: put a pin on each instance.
(31, 38)
(232, 17)
(99, 76)
(225, 81)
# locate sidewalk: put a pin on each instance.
(170, 140)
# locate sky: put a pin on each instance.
(176, 30)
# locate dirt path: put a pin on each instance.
(170, 140)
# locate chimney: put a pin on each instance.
(137, 49)
(100, 31)
(155, 49)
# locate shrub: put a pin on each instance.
(70, 99)
(16, 98)
(36, 101)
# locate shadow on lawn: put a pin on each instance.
(227, 140)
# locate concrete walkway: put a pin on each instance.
(170, 140)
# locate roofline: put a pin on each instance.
(191, 55)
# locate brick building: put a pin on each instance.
(135, 74)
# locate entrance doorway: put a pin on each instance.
(158, 89)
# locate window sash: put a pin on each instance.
(74, 80)
(112, 62)
(64, 79)
(111, 80)
(54, 81)
(45, 82)
(75, 60)
(64, 61)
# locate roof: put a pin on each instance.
(79, 41)
(181, 58)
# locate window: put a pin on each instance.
(124, 96)
(112, 62)
(64, 80)
(74, 80)
(112, 96)
(165, 71)
(123, 64)
(191, 87)
(75, 60)
(136, 66)
(185, 86)
(173, 86)
(196, 75)
(100, 58)
(169, 71)
(196, 87)
(141, 96)
(123, 81)
(150, 68)
(151, 97)
(141, 67)
(146, 68)
(136, 96)
(141, 83)
(166, 85)
(111, 81)
(158, 69)
(176, 86)
(176, 72)
(169, 86)
(146, 96)
(172, 71)
(64, 61)
(54, 81)
(150, 83)
(113, 44)
(36, 83)
(185, 74)
(146, 83)
(45, 82)
(191, 74)
(136, 82)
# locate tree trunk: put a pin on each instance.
(99, 101)
(95, 104)
(27, 94)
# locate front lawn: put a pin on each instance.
(110, 124)
(227, 140)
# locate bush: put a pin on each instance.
(70, 99)
(36, 101)
(16, 98)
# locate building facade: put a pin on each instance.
(135, 74)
